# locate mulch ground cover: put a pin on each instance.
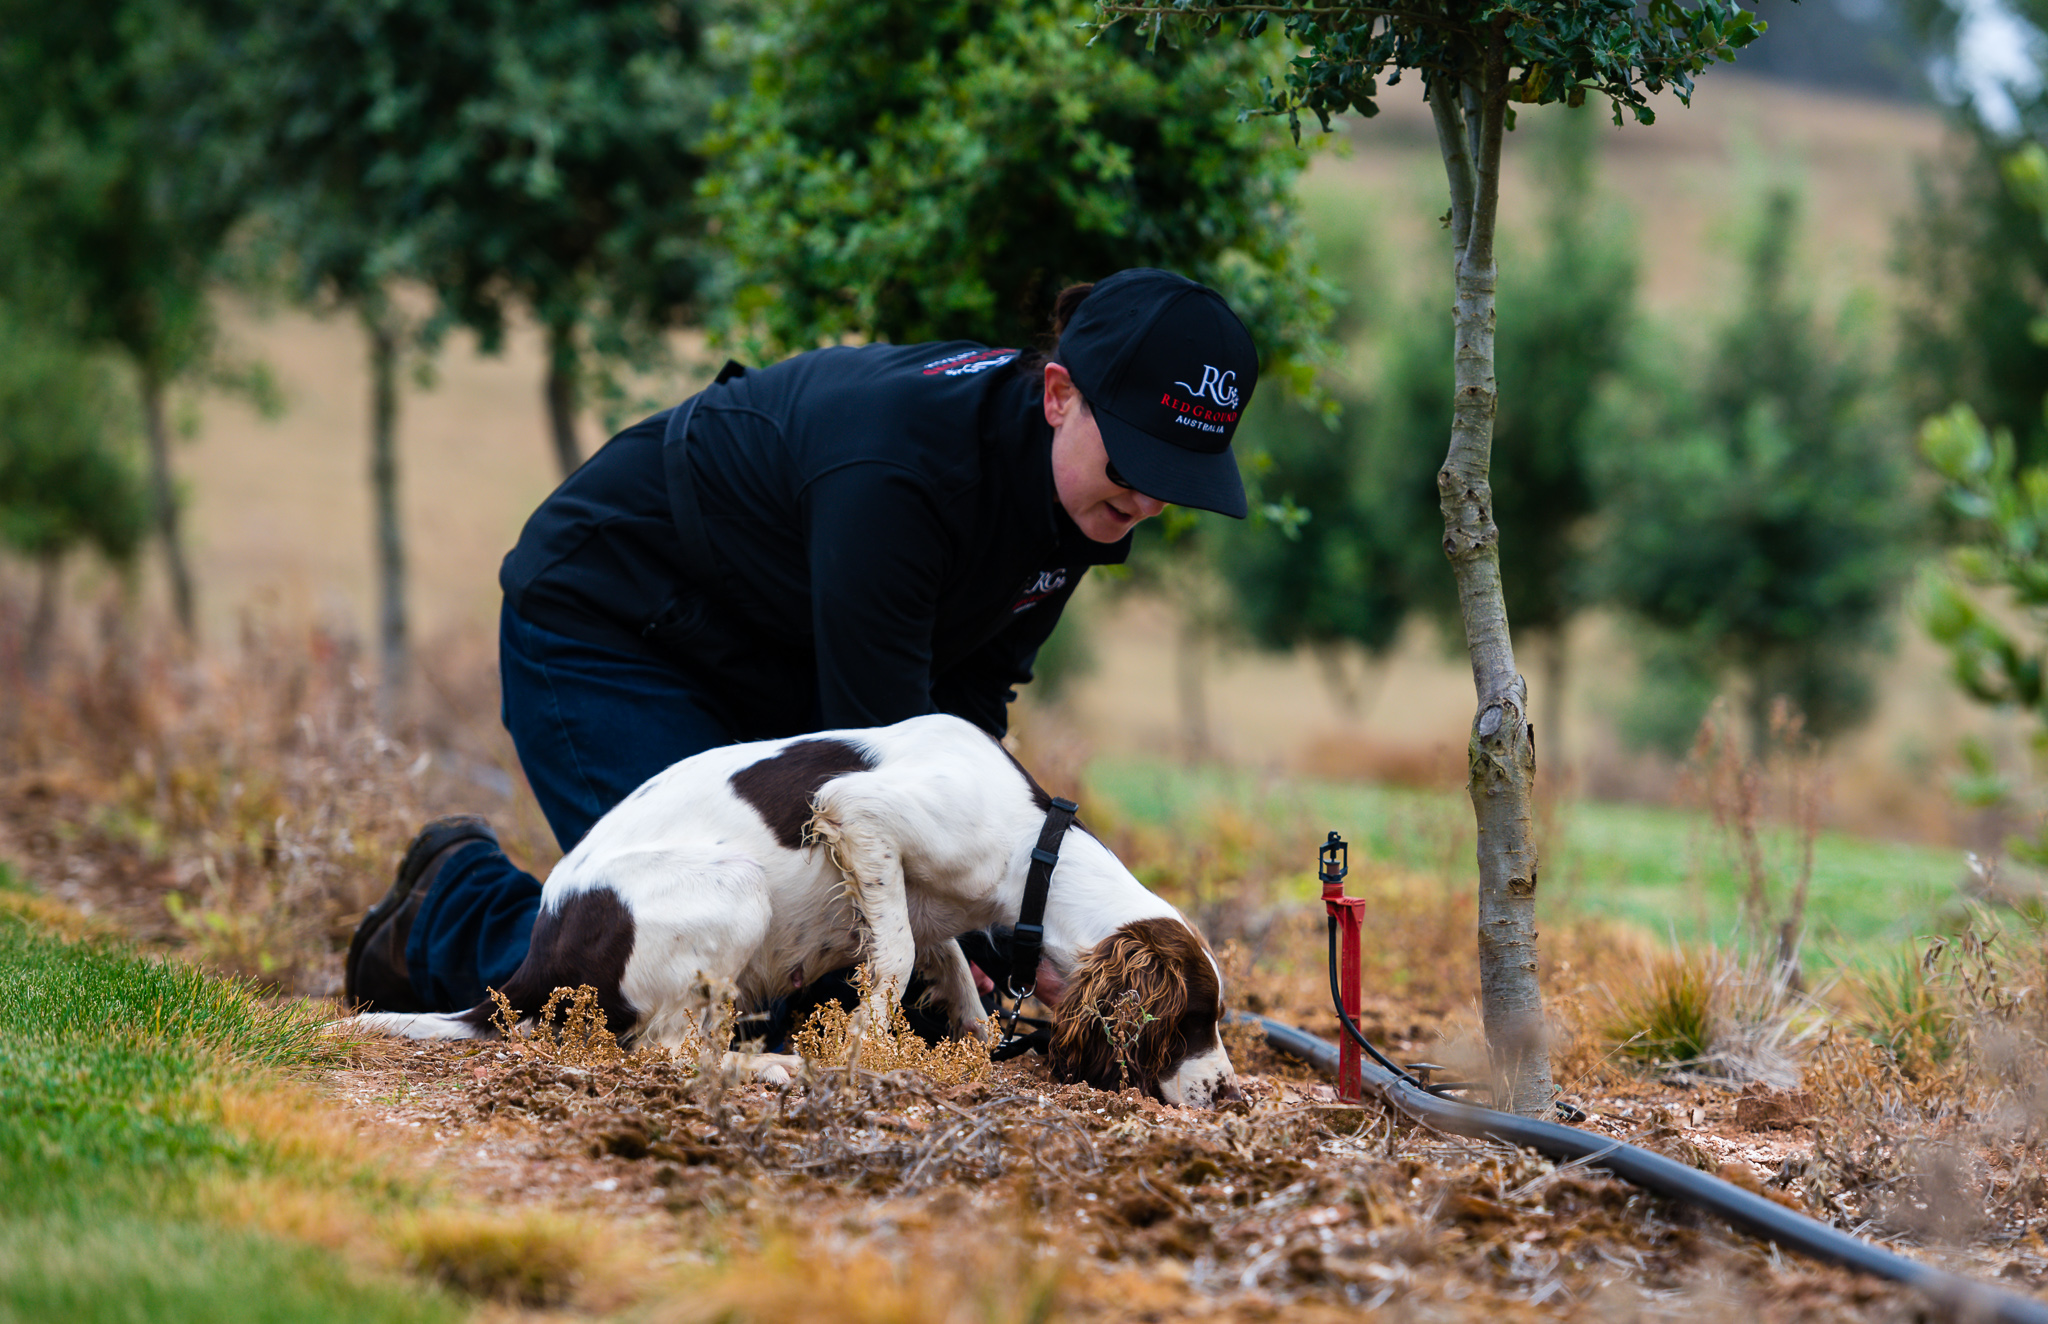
(1291, 1205)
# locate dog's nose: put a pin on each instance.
(1230, 1093)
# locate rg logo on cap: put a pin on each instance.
(1218, 386)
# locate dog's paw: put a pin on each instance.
(776, 1069)
(764, 1068)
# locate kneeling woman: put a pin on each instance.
(854, 536)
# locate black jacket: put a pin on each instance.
(849, 538)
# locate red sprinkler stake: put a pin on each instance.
(1348, 914)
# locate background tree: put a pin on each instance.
(68, 471)
(1762, 520)
(1340, 576)
(1996, 648)
(500, 153)
(102, 180)
(910, 172)
(1972, 257)
(566, 166)
(1477, 61)
(1562, 340)
(319, 95)
(1343, 576)
(1974, 268)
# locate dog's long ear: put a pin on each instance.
(1120, 1020)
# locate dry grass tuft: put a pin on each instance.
(787, 1279)
(1932, 1101)
(531, 1258)
(827, 1040)
(1667, 1017)
(1786, 780)
(1706, 1013)
(570, 1030)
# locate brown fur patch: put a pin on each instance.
(781, 787)
(1167, 967)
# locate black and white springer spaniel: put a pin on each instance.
(761, 867)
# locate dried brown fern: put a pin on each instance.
(570, 1030)
(827, 1040)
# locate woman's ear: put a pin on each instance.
(1061, 395)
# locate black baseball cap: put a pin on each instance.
(1168, 370)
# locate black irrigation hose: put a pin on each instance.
(1957, 1297)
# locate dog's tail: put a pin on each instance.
(472, 1024)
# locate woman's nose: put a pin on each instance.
(1147, 506)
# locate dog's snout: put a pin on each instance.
(1205, 1080)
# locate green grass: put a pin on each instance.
(1660, 869)
(108, 1065)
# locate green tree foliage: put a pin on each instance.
(572, 186)
(1972, 257)
(1995, 649)
(1343, 576)
(1761, 520)
(108, 191)
(537, 154)
(1974, 263)
(2006, 509)
(909, 171)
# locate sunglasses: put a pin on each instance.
(1109, 471)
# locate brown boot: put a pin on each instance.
(374, 975)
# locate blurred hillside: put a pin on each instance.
(1683, 178)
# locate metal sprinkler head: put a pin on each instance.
(1333, 863)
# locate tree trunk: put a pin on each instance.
(1354, 697)
(1190, 685)
(42, 625)
(394, 654)
(1502, 749)
(164, 496)
(561, 393)
(1329, 657)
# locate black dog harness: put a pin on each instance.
(1027, 940)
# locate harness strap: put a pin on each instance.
(1029, 937)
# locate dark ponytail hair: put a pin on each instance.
(1064, 306)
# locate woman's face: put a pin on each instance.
(1080, 466)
